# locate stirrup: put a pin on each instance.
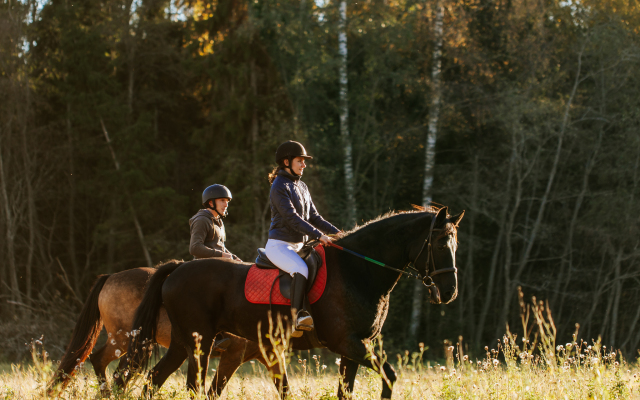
(304, 321)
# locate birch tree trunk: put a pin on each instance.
(344, 117)
(430, 154)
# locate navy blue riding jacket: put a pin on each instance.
(293, 214)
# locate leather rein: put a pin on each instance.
(430, 267)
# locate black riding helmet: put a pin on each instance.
(214, 192)
(290, 150)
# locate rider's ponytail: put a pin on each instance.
(273, 174)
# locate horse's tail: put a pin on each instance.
(84, 337)
(145, 322)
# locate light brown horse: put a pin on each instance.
(112, 303)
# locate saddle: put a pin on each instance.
(310, 257)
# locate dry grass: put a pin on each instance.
(532, 366)
(507, 372)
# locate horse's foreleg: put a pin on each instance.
(356, 352)
(348, 371)
(277, 371)
(230, 360)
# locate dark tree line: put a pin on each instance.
(115, 114)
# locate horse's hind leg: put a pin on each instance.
(348, 371)
(199, 363)
(168, 364)
(100, 359)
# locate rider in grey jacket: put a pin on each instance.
(294, 218)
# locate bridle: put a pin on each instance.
(430, 268)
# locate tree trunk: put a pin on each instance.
(29, 176)
(530, 240)
(11, 227)
(466, 297)
(344, 118)
(255, 186)
(430, 154)
(71, 206)
(134, 215)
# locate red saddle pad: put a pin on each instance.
(260, 281)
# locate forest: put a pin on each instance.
(116, 114)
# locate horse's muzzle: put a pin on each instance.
(434, 295)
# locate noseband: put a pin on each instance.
(430, 268)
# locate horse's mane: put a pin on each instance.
(416, 209)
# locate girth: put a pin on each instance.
(310, 257)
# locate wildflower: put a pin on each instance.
(252, 361)
(116, 375)
(103, 386)
(113, 342)
(324, 367)
(337, 361)
(118, 352)
(465, 358)
(300, 361)
(486, 348)
(559, 348)
(450, 348)
(38, 342)
(568, 346)
(527, 388)
(495, 362)
(442, 368)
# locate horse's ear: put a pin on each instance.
(441, 217)
(455, 220)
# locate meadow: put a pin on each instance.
(514, 369)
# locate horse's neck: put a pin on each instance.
(374, 243)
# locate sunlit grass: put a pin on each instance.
(532, 366)
(583, 372)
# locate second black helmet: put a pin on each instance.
(290, 149)
(215, 192)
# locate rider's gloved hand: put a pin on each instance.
(325, 240)
(227, 255)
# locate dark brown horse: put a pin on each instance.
(112, 303)
(205, 297)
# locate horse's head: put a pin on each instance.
(437, 257)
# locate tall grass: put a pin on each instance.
(530, 366)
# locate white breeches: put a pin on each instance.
(285, 256)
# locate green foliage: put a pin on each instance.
(537, 140)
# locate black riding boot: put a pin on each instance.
(303, 321)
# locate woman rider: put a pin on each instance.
(294, 218)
